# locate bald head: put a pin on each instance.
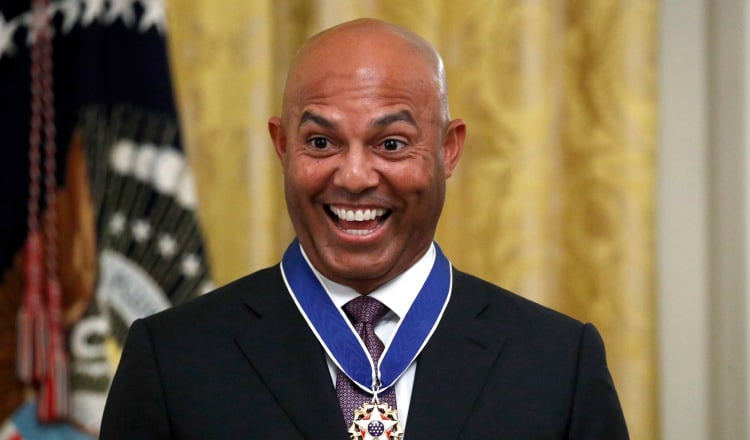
(366, 145)
(366, 47)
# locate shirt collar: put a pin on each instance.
(397, 294)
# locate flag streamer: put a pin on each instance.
(42, 358)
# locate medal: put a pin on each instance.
(337, 336)
(375, 421)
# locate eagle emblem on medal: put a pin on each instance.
(375, 422)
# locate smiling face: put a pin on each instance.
(366, 146)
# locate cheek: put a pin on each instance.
(305, 177)
(427, 186)
(421, 179)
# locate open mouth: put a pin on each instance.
(358, 221)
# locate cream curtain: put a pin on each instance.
(554, 195)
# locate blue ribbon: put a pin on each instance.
(340, 340)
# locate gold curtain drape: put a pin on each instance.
(554, 195)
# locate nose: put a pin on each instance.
(356, 171)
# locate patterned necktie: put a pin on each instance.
(364, 312)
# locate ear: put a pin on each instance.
(453, 145)
(278, 137)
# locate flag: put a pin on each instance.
(117, 235)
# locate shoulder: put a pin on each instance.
(223, 305)
(553, 366)
(505, 312)
(532, 335)
(512, 303)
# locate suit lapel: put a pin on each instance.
(453, 368)
(284, 352)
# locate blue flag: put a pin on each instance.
(127, 236)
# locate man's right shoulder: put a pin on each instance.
(265, 285)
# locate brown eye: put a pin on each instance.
(392, 145)
(319, 143)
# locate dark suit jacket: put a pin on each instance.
(242, 363)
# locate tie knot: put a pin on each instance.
(365, 310)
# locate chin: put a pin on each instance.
(348, 273)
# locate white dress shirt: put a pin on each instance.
(397, 294)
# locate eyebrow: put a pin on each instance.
(309, 116)
(403, 115)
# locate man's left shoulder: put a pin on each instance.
(504, 308)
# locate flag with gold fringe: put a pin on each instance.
(99, 222)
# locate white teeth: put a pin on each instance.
(358, 215)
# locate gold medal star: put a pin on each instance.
(375, 422)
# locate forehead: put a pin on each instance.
(360, 70)
(372, 100)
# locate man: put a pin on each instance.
(366, 144)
